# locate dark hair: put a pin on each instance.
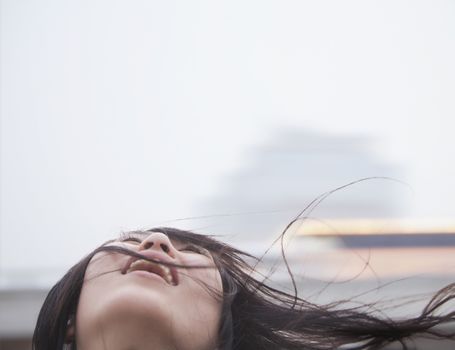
(254, 314)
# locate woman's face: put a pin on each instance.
(129, 303)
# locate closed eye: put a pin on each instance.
(131, 240)
(194, 249)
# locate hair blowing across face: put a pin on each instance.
(255, 315)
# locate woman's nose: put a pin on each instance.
(158, 241)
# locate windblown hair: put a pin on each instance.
(254, 315)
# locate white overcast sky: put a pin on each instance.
(122, 114)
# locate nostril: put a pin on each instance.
(164, 247)
(148, 245)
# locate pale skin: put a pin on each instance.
(132, 305)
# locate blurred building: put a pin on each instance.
(280, 177)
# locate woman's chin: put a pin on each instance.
(128, 309)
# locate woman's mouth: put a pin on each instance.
(165, 272)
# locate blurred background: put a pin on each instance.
(229, 118)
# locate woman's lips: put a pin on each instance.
(161, 270)
(167, 273)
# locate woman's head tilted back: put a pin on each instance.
(157, 289)
(172, 289)
(127, 302)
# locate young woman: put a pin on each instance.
(172, 289)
